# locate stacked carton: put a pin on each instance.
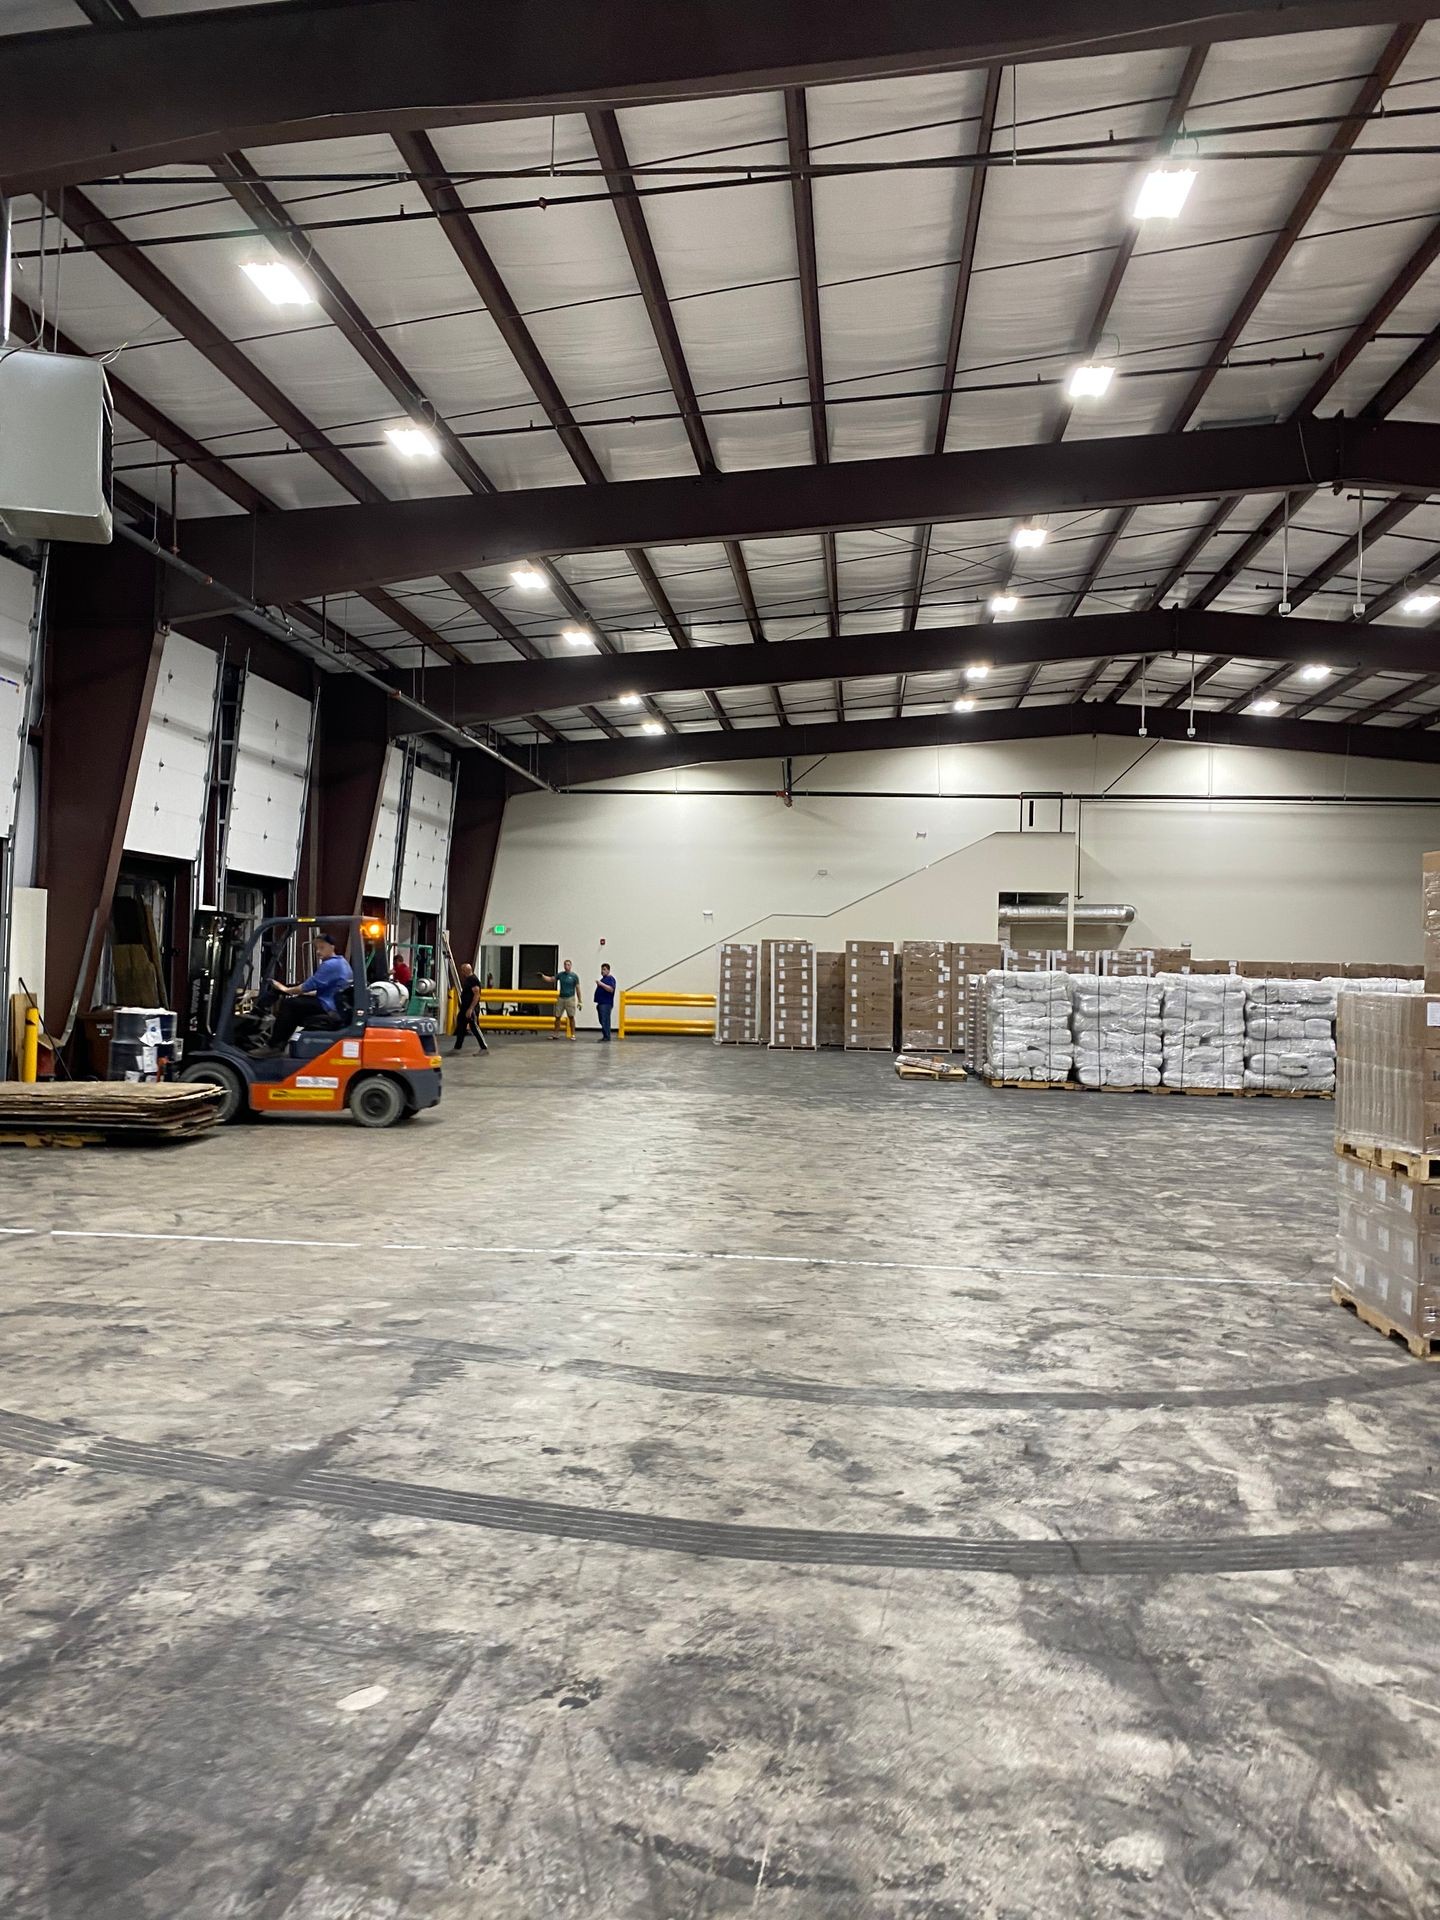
(973, 961)
(870, 994)
(830, 999)
(1116, 1026)
(1289, 1036)
(1388, 1248)
(926, 996)
(1027, 1026)
(792, 994)
(737, 996)
(1388, 1080)
(1202, 1018)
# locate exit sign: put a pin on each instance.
(499, 929)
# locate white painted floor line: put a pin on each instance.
(667, 1253)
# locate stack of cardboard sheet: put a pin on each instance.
(115, 1109)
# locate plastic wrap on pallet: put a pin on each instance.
(737, 995)
(1387, 1091)
(1203, 1021)
(1116, 1027)
(1027, 1026)
(1289, 1036)
(1379, 983)
(1388, 1246)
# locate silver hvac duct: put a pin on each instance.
(1109, 916)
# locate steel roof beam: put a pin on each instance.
(199, 84)
(610, 149)
(1317, 185)
(142, 276)
(327, 549)
(974, 191)
(1174, 119)
(579, 763)
(802, 208)
(418, 152)
(504, 689)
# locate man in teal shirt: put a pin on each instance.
(567, 1007)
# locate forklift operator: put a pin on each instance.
(316, 1001)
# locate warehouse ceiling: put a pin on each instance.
(757, 282)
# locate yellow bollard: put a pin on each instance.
(30, 1046)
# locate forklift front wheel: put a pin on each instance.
(377, 1102)
(211, 1073)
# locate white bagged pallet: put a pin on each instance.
(1290, 1036)
(1117, 1031)
(1027, 1026)
(1203, 1020)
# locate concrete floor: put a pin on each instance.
(669, 1482)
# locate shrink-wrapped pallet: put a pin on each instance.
(1203, 1023)
(1027, 1026)
(1290, 1036)
(1115, 1021)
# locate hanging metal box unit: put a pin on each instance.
(56, 429)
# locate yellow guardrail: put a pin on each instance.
(642, 997)
(501, 997)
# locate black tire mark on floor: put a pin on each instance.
(1316, 1391)
(662, 1533)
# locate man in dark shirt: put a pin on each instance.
(567, 1005)
(316, 1002)
(467, 1019)
(605, 1000)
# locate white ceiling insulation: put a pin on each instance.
(887, 243)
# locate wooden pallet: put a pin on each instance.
(1421, 1346)
(1203, 1093)
(1039, 1086)
(1409, 1166)
(1084, 1089)
(1287, 1093)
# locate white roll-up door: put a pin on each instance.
(427, 842)
(380, 874)
(17, 607)
(167, 814)
(272, 766)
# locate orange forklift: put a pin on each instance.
(374, 1061)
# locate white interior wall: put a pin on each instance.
(1240, 852)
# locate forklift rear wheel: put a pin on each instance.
(211, 1074)
(377, 1102)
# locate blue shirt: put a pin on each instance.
(329, 981)
(605, 990)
